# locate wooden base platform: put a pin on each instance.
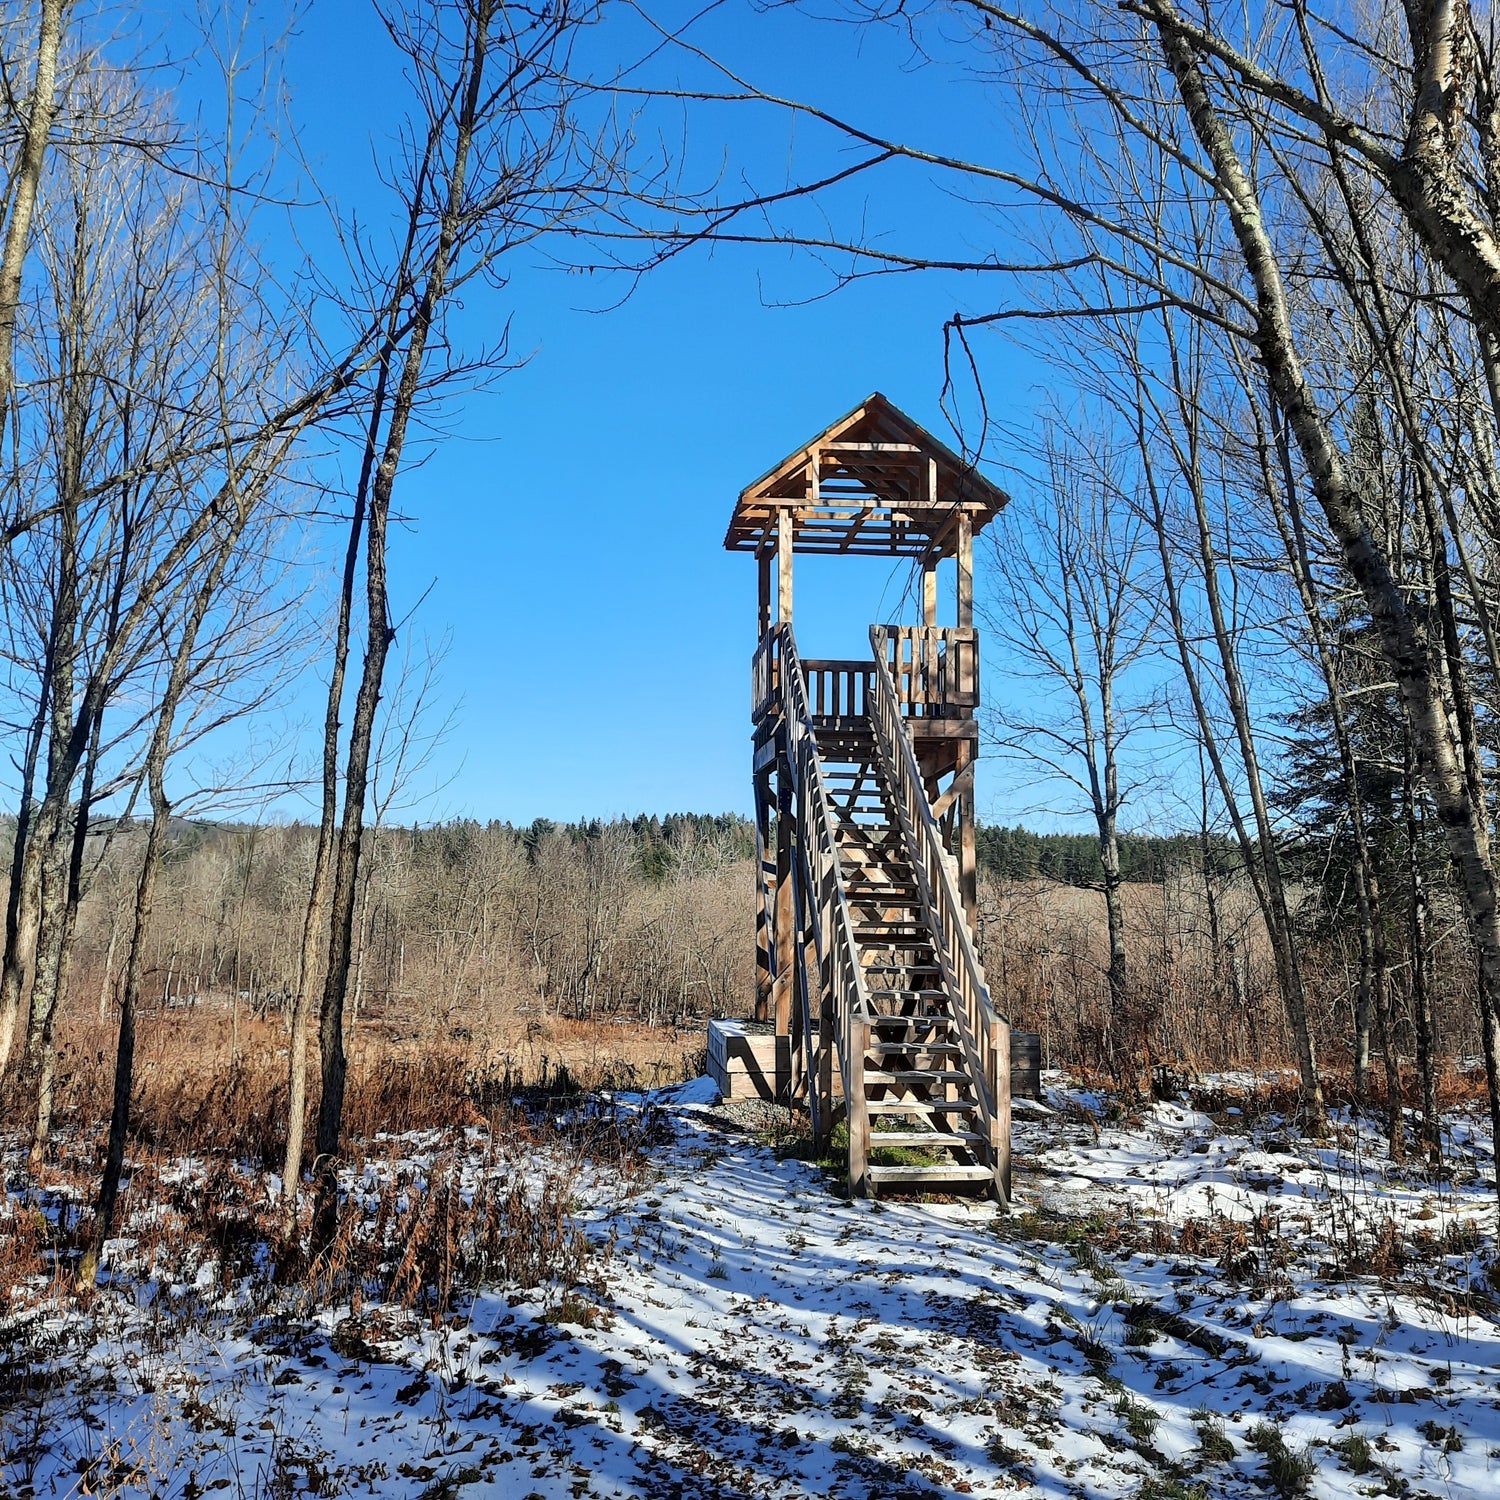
(743, 1058)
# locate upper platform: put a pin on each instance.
(874, 484)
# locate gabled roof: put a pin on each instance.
(875, 483)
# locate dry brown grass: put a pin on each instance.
(430, 1207)
(1280, 1092)
(205, 1082)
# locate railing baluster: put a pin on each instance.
(932, 671)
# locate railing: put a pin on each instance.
(765, 675)
(838, 689)
(984, 1035)
(934, 672)
(843, 981)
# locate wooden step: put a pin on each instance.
(953, 1173)
(931, 1026)
(940, 1139)
(945, 1048)
(909, 1075)
(920, 1107)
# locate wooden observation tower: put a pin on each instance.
(864, 798)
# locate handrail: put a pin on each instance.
(983, 1033)
(832, 924)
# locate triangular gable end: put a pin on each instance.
(874, 483)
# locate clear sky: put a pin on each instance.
(570, 528)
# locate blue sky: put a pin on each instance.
(569, 529)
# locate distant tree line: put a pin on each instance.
(1073, 858)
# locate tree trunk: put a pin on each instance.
(1372, 995)
(317, 898)
(24, 894)
(1136, 1030)
(1262, 860)
(56, 961)
(379, 635)
(27, 185)
(106, 982)
(130, 994)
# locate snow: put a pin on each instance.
(1166, 1282)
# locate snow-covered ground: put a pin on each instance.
(1174, 1310)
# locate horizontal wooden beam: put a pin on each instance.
(943, 729)
(899, 448)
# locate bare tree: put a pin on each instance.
(494, 157)
(150, 397)
(1073, 601)
(214, 671)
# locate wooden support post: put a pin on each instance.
(856, 1114)
(784, 530)
(763, 601)
(1000, 1137)
(967, 851)
(929, 564)
(826, 1058)
(804, 1049)
(796, 1040)
(785, 922)
(965, 572)
(764, 898)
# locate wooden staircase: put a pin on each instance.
(866, 864)
(919, 1099)
(889, 991)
